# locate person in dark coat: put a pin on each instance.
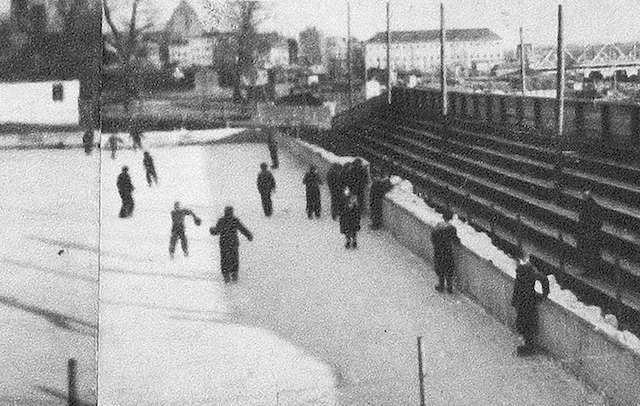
(358, 179)
(177, 228)
(350, 221)
(443, 237)
(87, 141)
(525, 300)
(125, 189)
(136, 137)
(113, 142)
(266, 185)
(227, 228)
(336, 189)
(149, 168)
(589, 233)
(273, 151)
(312, 182)
(380, 185)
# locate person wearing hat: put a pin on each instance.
(266, 185)
(227, 228)
(177, 228)
(312, 182)
(125, 189)
(443, 237)
(334, 181)
(525, 300)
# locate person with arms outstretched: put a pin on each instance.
(227, 228)
(177, 228)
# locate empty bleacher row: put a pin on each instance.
(508, 189)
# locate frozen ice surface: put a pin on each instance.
(309, 322)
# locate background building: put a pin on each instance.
(472, 48)
(310, 47)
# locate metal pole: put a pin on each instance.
(72, 394)
(522, 64)
(443, 68)
(560, 84)
(388, 55)
(420, 372)
(349, 52)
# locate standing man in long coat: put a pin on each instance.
(336, 189)
(443, 237)
(312, 183)
(525, 301)
(113, 142)
(358, 179)
(266, 185)
(87, 141)
(350, 221)
(589, 233)
(380, 185)
(227, 227)
(273, 151)
(125, 189)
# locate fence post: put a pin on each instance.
(420, 372)
(72, 394)
(519, 232)
(537, 115)
(492, 219)
(606, 124)
(619, 281)
(561, 245)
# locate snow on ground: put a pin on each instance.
(308, 323)
(48, 298)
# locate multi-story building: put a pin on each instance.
(310, 47)
(478, 48)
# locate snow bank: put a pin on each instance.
(480, 244)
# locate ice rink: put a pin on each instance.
(309, 322)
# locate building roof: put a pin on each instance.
(458, 34)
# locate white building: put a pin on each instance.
(420, 50)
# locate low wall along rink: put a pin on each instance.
(576, 334)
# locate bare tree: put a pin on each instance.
(127, 38)
(242, 18)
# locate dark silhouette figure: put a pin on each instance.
(177, 228)
(379, 187)
(356, 178)
(525, 300)
(149, 168)
(443, 237)
(589, 233)
(113, 142)
(227, 227)
(312, 182)
(266, 185)
(336, 189)
(273, 151)
(136, 137)
(87, 141)
(350, 221)
(125, 189)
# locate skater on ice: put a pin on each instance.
(525, 300)
(113, 142)
(227, 228)
(177, 228)
(125, 189)
(350, 220)
(136, 137)
(149, 168)
(312, 182)
(336, 189)
(87, 141)
(356, 178)
(266, 185)
(443, 237)
(273, 151)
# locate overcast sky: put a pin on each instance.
(586, 21)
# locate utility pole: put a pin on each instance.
(523, 74)
(443, 67)
(388, 56)
(349, 52)
(560, 84)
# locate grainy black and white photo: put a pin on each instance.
(319, 202)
